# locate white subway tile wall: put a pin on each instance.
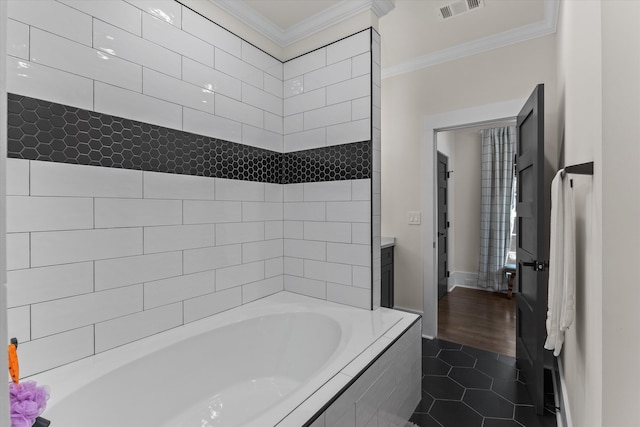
(325, 95)
(148, 253)
(39, 81)
(325, 242)
(96, 251)
(154, 61)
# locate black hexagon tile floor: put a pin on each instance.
(467, 387)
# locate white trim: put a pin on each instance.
(564, 398)
(307, 27)
(459, 278)
(483, 113)
(248, 15)
(516, 35)
(382, 7)
(471, 287)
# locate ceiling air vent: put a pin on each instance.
(458, 7)
(472, 4)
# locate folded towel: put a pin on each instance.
(562, 263)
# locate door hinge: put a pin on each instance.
(448, 224)
(448, 274)
(537, 265)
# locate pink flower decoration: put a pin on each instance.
(27, 401)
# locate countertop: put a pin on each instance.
(386, 242)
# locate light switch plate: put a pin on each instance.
(413, 218)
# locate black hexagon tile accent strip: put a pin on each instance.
(335, 163)
(466, 386)
(46, 131)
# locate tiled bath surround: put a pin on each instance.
(101, 256)
(328, 101)
(383, 395)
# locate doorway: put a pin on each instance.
(467, 314)
(487, 113)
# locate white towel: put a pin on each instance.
(562, 263)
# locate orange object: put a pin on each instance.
(14, 367)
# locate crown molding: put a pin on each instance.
(248, 15)
(545, 27)
(382, 7)
(314, 24)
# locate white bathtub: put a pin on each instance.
(250, 366)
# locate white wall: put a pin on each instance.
(499, 75)
(445, 142)
(580, 128)
(599, 93)
(466, 181)
(620, 211)
(95, 251)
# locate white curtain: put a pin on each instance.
(498, 151)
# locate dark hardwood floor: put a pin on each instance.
(477, 318)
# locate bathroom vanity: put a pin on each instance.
(386, 282)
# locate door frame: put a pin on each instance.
(475, 116)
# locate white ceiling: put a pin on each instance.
(412, 35)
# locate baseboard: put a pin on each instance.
(472, 287)
(564, 414)
(463, 279)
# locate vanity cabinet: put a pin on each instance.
(386, 281)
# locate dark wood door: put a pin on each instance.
(533, 247)
(443, 224)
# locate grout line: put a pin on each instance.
(30, 266)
